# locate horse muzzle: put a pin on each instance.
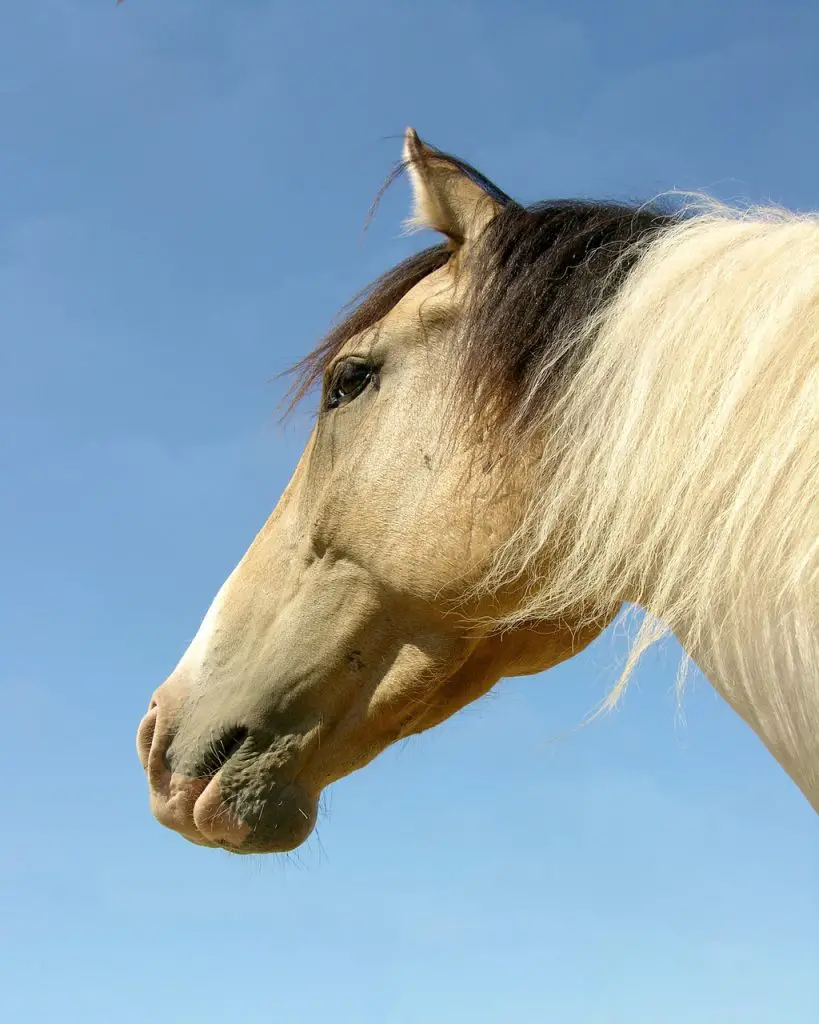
(231, 786)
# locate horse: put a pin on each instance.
(556, 411)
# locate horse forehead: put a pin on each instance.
(432, 303)
(432, 300)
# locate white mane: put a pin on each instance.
(682, 464)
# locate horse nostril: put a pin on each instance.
(220, 751)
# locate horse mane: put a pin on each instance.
(664, 366)
(681, 462)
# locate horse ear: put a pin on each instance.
(445, 197)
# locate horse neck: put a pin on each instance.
(688, 479)
(746, 524)
(770, 682)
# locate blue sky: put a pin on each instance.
(182, 193)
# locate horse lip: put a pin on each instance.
(197, 810)
(215, 820)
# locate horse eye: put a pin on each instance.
(347, 383)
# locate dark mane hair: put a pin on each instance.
(535, 276)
